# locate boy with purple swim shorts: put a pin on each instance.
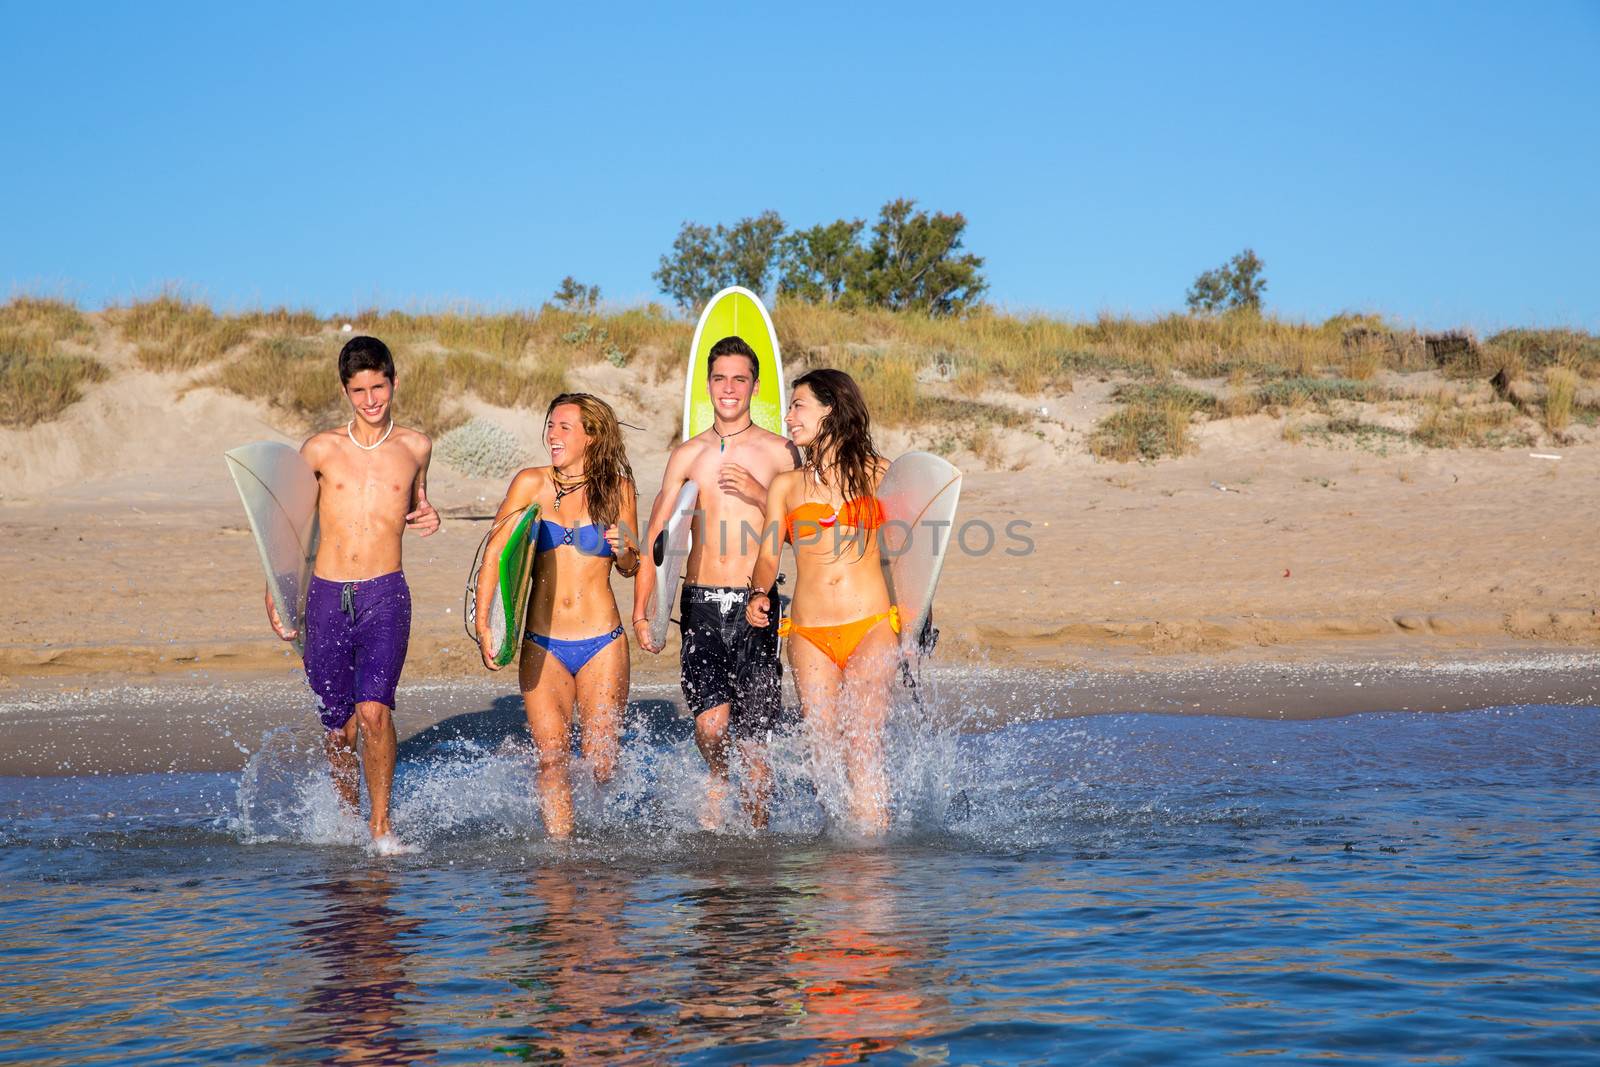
(372, 487)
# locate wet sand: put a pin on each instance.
(210, 724)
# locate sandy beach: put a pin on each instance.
(126, 558)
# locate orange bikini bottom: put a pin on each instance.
(838, 642)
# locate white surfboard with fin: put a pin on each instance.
(668, 554)
(919, 492)
(279, 493)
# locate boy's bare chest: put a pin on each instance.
(368, 478)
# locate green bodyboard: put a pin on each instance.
(513, 570)
(736, 312)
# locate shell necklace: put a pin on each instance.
(349, 430)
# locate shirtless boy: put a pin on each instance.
(372, 477)
(731, 677)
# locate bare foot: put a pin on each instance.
(390, 845)
(711, 810)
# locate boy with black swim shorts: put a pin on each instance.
(372, 487)
(731, 678)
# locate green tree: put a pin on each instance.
(914, 262)
(817, 263)
(573, 295)
(703, 260)
(689, 274)
(749, 251)
(1236, 285)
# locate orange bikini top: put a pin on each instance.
(862, 512)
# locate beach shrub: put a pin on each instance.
(1153, 422)
(1448, 424)
(479, 448)
(1317, 392)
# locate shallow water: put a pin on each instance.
(1119, 889)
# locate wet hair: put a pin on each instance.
(364, 353)
(734, 346)
(605, 460)
(843, 453)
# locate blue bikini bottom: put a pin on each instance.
(574, 654)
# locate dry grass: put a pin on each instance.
(300, 375)
(37, 382)
(289, 373)
(1447, 424)
(518, 359)
(889, 385)
(1576, 350)
(54, 319)
(174, 334)
(1560, 389)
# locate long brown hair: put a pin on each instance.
(843, 453)
(605, 460)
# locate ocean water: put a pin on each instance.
(1141, 888)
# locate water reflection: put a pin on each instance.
(576, 975)
(355, 1011)
(812, 953)
(860, 967)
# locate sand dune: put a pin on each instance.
(124, 551)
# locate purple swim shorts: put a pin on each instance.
(356, 638)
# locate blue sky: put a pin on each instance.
(1436, 162)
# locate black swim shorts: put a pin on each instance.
(728, 661)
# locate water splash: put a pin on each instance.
(466, 788)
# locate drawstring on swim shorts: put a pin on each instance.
(347, 601)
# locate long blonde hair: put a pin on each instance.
(605, 460)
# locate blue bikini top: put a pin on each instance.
(590, 539)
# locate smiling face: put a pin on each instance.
(805, 415)
(370, 393)
(564, 436)
(732, 384)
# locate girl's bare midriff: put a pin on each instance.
(835, 581)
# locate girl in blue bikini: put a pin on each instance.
(574, 652)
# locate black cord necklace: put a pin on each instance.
(566, 489)
(722, 439)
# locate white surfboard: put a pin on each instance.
(919, 492)
(669, 553)
(279, 494)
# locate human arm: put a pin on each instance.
(620, 534)
(277, 624)
(422, 517)
(758, 609)
(644, 586)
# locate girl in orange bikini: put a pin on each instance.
(847, 649)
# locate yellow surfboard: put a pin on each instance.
(738, 312)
